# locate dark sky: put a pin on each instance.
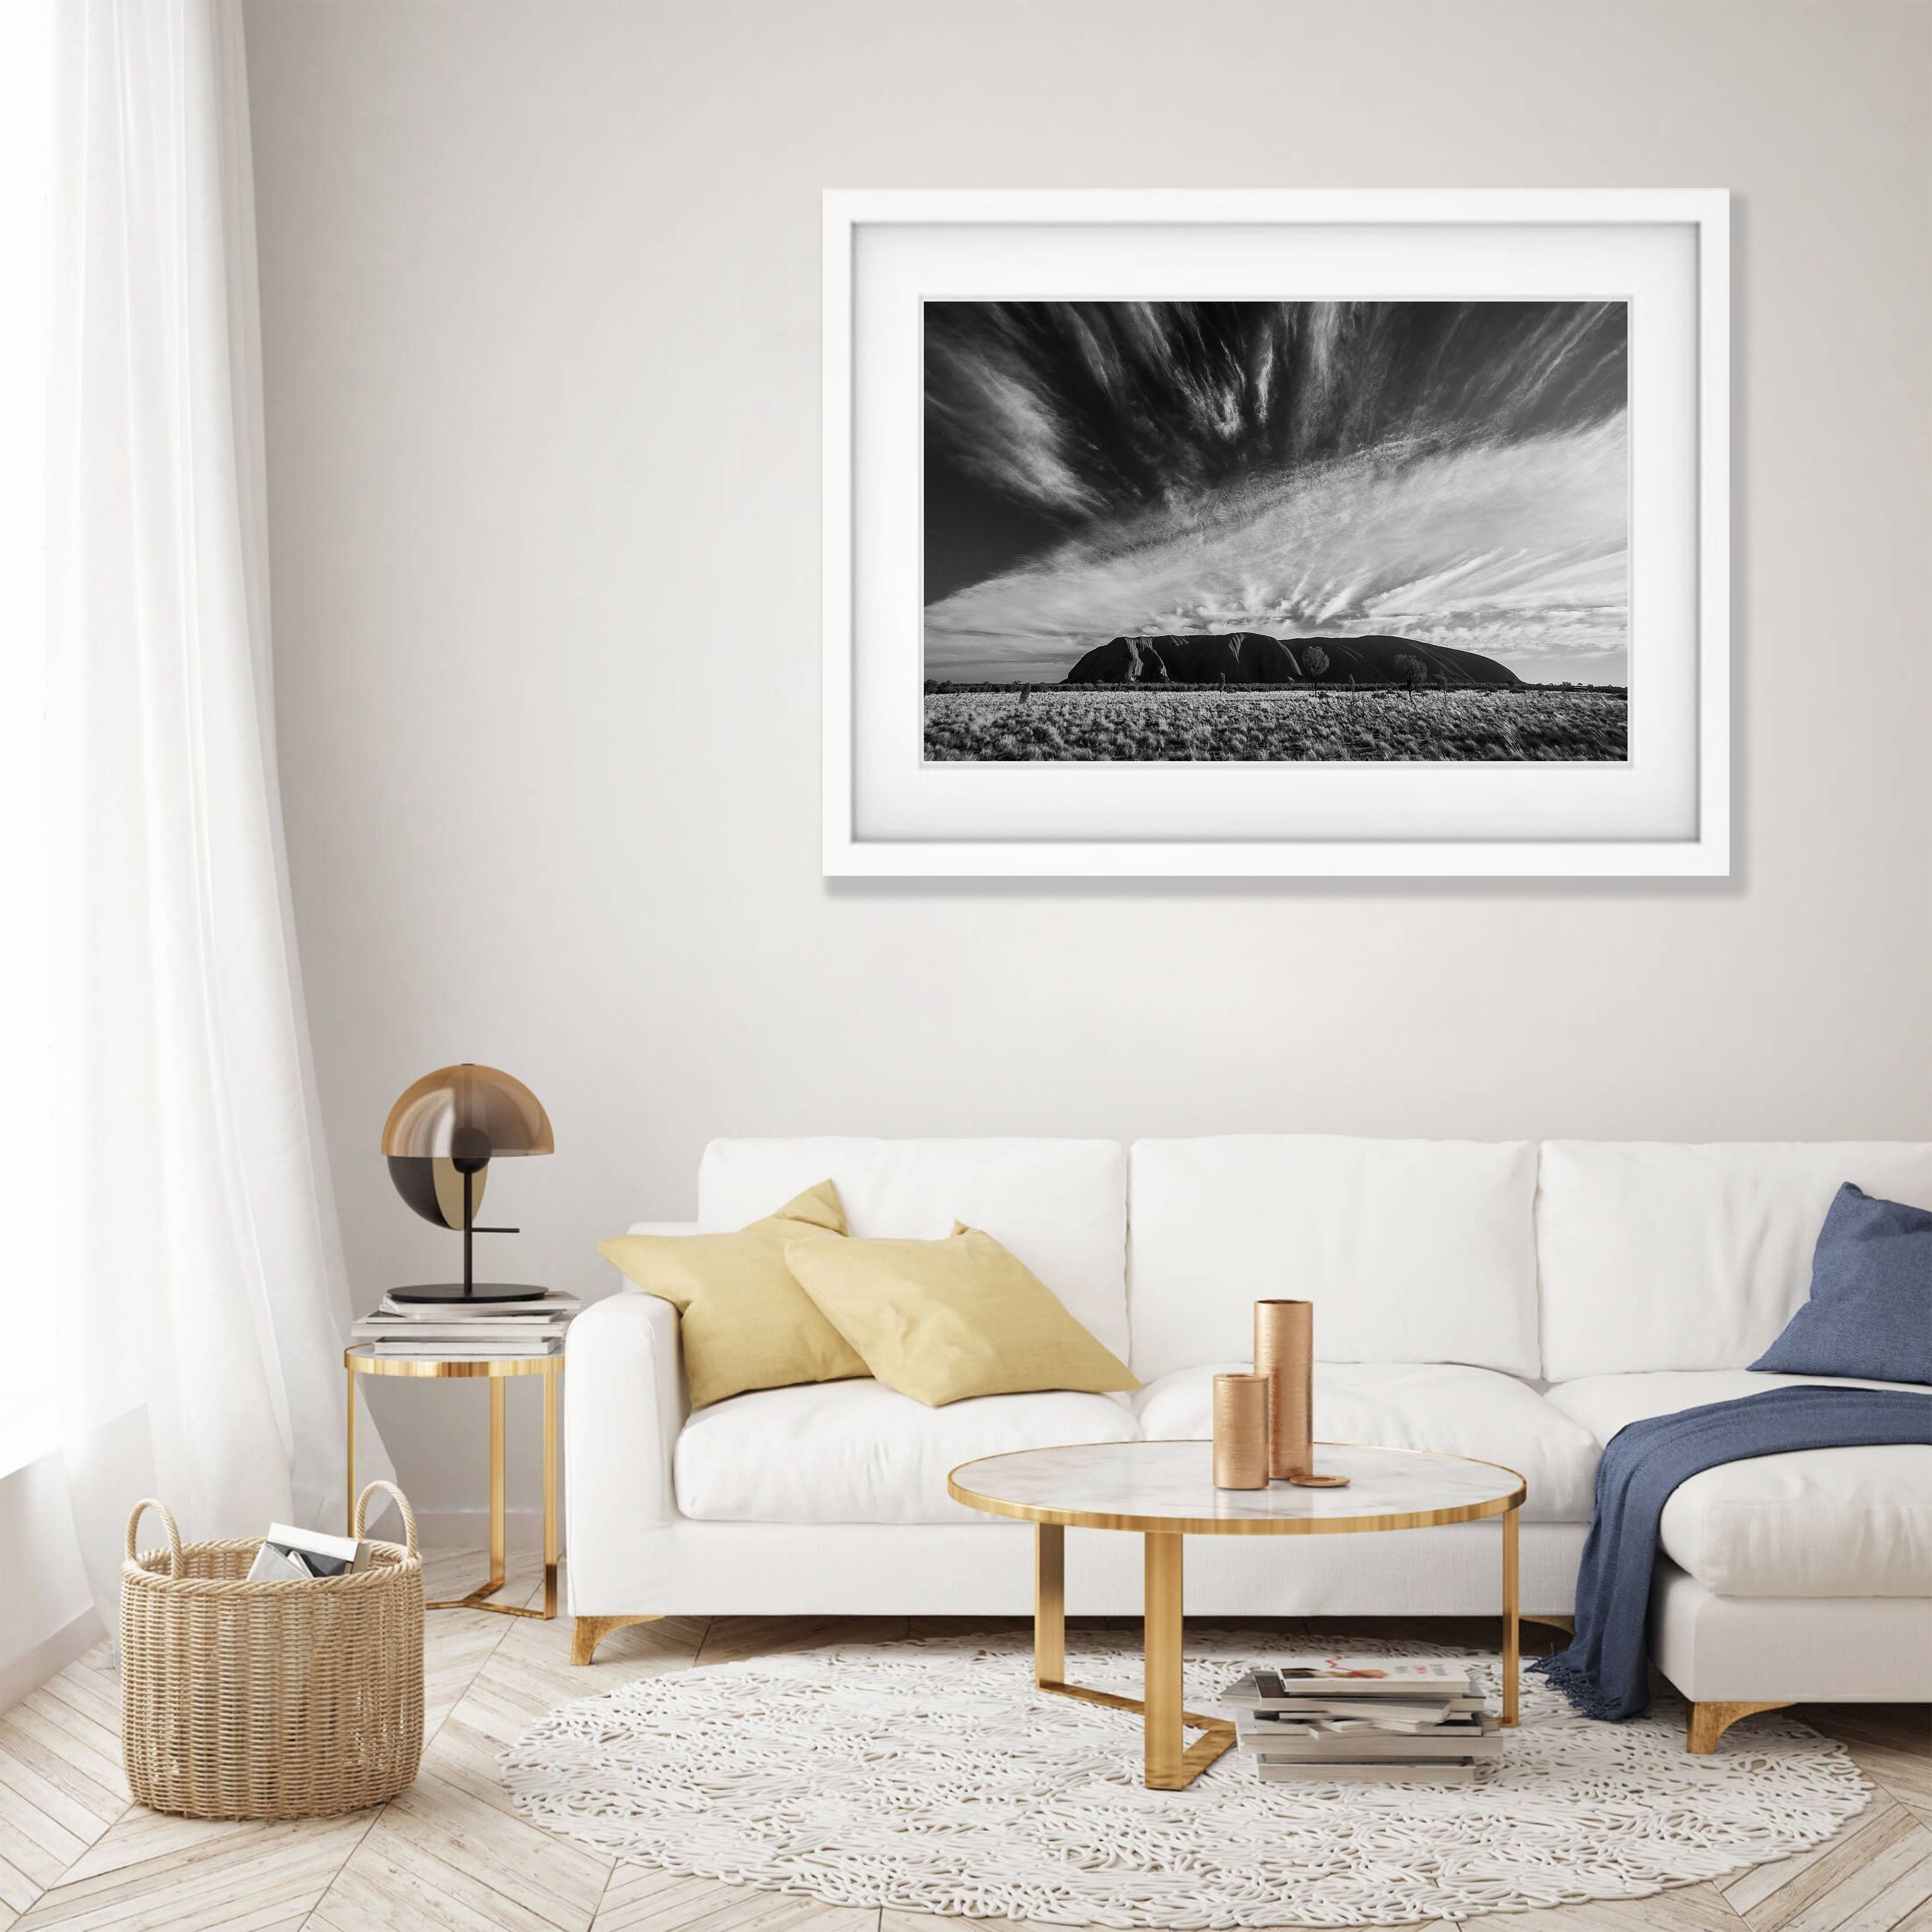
(1047, 420)
(973, 531)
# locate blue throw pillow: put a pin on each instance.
(1871, 1310)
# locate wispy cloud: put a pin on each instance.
(1517, 548)
(1086, 410)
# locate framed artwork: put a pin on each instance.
(1289, 533)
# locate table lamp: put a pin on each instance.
(439, 1140)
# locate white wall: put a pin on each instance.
(47, 1614)
(540, 287)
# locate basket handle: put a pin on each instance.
(402, 1503)
(167, 1523)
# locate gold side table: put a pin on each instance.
(363, 1360)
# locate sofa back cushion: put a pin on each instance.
(1655, 1256)
(1060, 1205)
(1411, 1251)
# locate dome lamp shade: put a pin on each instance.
(441, 1135)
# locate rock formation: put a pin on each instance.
(1250, 657)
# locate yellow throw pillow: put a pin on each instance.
(745, 1322)
(940, 1321)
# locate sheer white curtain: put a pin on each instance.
(201, 1264)
(28, 1421)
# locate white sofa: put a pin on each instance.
(1506, 1300)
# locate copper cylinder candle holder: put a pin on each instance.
(1285, 1355)
(1240, 1431)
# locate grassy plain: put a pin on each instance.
(1059, 722)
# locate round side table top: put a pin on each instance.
(1170, 1486)
(362, 1360)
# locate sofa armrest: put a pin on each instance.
(625, 1406)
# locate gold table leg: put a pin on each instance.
(499, 1493)
(1512, 1629)
(499, 1484)
(498, 1507)
(1049, 1605)
(550, 1495)
(1169, 1767)
(349, 1500)
(1160, 1648)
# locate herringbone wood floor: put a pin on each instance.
(451, 1852)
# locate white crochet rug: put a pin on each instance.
(932, 1777)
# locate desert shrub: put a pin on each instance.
(1533, 722)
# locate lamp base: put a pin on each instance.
(454, 1292)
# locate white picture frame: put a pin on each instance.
(1665, 811)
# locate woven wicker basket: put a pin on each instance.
(269, 1700)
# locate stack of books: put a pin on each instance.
(470, 1332)
(290, 1555)
(1408, 1721)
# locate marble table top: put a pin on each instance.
(1169, 1486)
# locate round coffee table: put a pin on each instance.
(1165, 1490)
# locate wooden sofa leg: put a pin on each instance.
(1709, 1722)
(588, 1632)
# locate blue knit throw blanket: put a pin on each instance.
(1603, 1672)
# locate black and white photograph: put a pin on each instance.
(1333, 531)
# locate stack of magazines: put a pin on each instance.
(1418, 1720)
(469, 1331)
(290, 1555)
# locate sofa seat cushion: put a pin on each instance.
(1458, 1411)
(859, 1452)
(1813, 1523)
